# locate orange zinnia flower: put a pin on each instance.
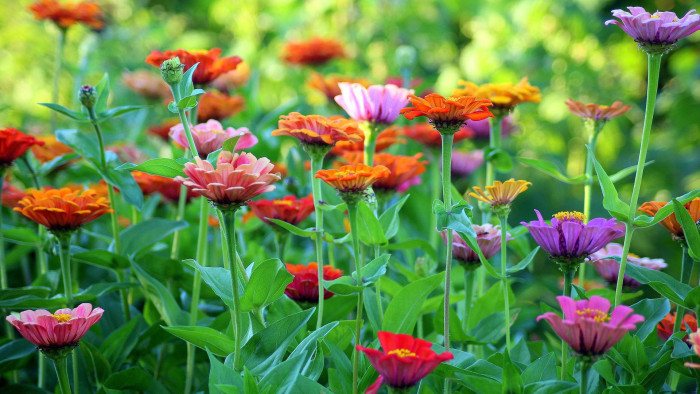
(501, 193)
(288, 209)
(147, 84)
(597, 112)
(504, 96)
(385, 139)
(670, 222)
(163, 130)
(317, 129)
(13, 144)
(351, 180)
(448, 115)
(665, 327)
(68, 14)
(210, 65)
(63, 209)
(51, 148)
(167, 187)
(218, 106)
(426, 134)
(328, 85)
(312, 52)
(404, 170)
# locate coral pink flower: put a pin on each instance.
(488, 237)
(304, 286)
(288, 209)
(63, 328)
(695, 342)
(660, 28)
(588, 328)
(609, 268)
(236, 179)
(210, 136)
(377, 104)
(404, 362)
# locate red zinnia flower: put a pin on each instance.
(665, 327)
(68, 14)
(448, 114)
(210, 64)
(312, 52)
(304, 287)
(13, 144)
(404, 362)
(288, 209)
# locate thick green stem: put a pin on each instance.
(435, 187)
(588, 186)
(469, 293)
(686, 265)
(503, 220)
(371, 132)
(181, 202)
(74, 362)
(494, 144)
(41, 375)
(352, 213)
(317, 165)
(228, 232)
(64, 256)
(568, 280)
(280, 242)
(583, 384)
(62, 373)
(188, 133)
(57, 73)
(447, 140)
(654, 66)
(377, 287)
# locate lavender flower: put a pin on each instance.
(488, 237)
(658, 31)
(482, 128)
(609, 268)
(464, 163)
(377, 104)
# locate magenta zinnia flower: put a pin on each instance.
(587, 327)
(660, 29)
(481, 129)
(609, 268)
(236, 179)
(464, 163)
(488, 237)
(210, 136)
(377, 104)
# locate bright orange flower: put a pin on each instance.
(317, 129)
(501, 193)
(312, 52)
(68, 14)
(100, 188)
(665, 327)
(167, 187)
(147, 84)
(328, 85)
(353, 179)
(51, 148)
(210, 65)
(670, 222)
(63, 209)
(504, 96)
(426, 134)
(218, 106)
(448, 115)
(597, 112)
(13, 144)
(233, 79)
(281, 168)
(403, 169)
(163, 130)
(288, 209)
(385, 139)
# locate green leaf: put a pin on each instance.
(145, 234)
(544, 368)
(267, 283)
(99, 289)
(218, 278)
(402, 313)
(390, 218)
(134, 378)
(653, 310)
(116, 111)
(51, 165)
(94, 358)
(34, 291)
(551, 387)
(665, 211)
(309, 349)
(489, 329)
(512, 379)
(293, 229)
(122, 341)
(690, 229)
(370, 274)
(81, 144)
(524, 262)
(283, 377)
(456, 331)
(222, 375)
(186, 87)
(551, 169)
(663, 283)
(16, 350)
(191, 100)
(22, 236)
(204, 338)
(611, 202)
(500, 159)
(626, 171)
(160, 297)
(103, 259)
(370, 229)
(66, 112)
(102, 89)
(230, 144)
(126, 184)
(169, 168)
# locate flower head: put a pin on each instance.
(211, 136)
(318, 131)
(210, 65)
(427, 135)
(63, 210)
(481, 129)
(610, 268)
(504, 96)
(695, 343)
(385, 139)
(146, 84)
(166, 187)
(68, 14)
(488, 237)
(670, 222)
(287, 209)
(404, 361)
(236, 179)
(665, 327)
(448, 115)
(304, 286)
(403, 170)
(218, 106)
(376, 104)
(49, 149)
(588, 328)
(464, 163)
(596, 112)
(312, 52)
(11, 195)
(328, 85)
(352, 180)
(13, 144)
(501, 193)
(657, 31)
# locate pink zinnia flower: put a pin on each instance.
(236, 179)
(488, 237)
(51, 331)
(377, 104)
(588, 328)
(609, 268)
(210, 136)
(464, 163)
(695, 341)
(660, 28)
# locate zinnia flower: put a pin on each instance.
(166, 187)
(403, 170)
(328, 85)
(54, 331)
(352, 180)
(588, 328)
(610, 268)
(316, 131)
(50, 148)
(218, 106)
(312, 52)
(481, 129)
(464, 163)
(425, 134)
(287, 209)
(568, 240)
(501, 193)
(211, 136)
(385, 139)
(670, 222)
(163, 130)
(657, 31)
(376, 104)
(210, 65)
(404, 361)
(488, 237)
(504, 96)
(11, 194)
(68, 14)
(304, 286)
(64, 209)
(665, 327)
(236, 179)
(146, 84)
(448, 115)
(596, 112)
(695, 342)
(13, 144)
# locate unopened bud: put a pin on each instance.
(171, 71)
(88, 96)
(405, 57)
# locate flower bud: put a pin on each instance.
(171, 71)
(405, 57)
(88, 96)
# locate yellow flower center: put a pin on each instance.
(217, 131)
(633, 255)
(283, 202)
(62, 317)
(403, 353)
(655, 16)
(570, 216)
(595, 314)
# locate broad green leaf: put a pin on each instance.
(122, 341)
(94, 358)
(390, 219)
(552, 170)
(218, 278)
(267, 283)
(48, 167)
(161, 298)
(283, 377)
(456, 331)
(169, 168)
(145, 234)
(690, 229)
(500, 159)
(33, 302)
(186, 87)
(544, 368)
(402, 313)
(134, 378)
(512, 379)
(82, 144)
(374, 270)
(116, 111)
(35, 291)
(222, 375)
(103, 259)
(16, 349)
(294, 229)
(309, 348)
(653, 310)
(126, 184)
(66, 112)
(551, 387)
(102, 89)
(204, 338)
(230, 144)
(611, 202)
(626, 171)
(524, 262)
(99, 289)
(370, 229)
(663, 283)
(22, 236)
(489, 329)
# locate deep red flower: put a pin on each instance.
(288, 209)
(404, 362)
(210, 65)
(304, 287)
(665, 326)
(13, 144)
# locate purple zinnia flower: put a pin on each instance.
(609, 268)
(568, 240)
(377, 104)
(587, 327)
(659, 29)
(488, 237)
(482, 128)
(464, 163)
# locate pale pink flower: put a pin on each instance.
(209, 137)
(60, 329)
(488, 237)
(377, 104)
(610, 268)
(659, 28)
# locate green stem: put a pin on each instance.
(494, 144)
(447, 141)
(371, 133)
(503, 221)
(588, 186)
(280, 242)
(317, 165)
(583, 384)
(64, 256)
(469, 294)
(62, 373)
(568, 280)
(74, 360)
(181, 202)
(41, 375)
(686, 265)
(41, 256)
(654, 66)
(188, 133)
(434, 195)
(57, 73)
(228, 232)
(352, 213)
(377, 287)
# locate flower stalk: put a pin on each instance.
(316, 165)
(686, 267)
(228, 236)
(447, 140)
(568, 281)
(503, 221)
(593, 131)
(64, 257)
(494, 143)
(469, 276)
(61, 366)
(352, 213)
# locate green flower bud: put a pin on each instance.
(405, 57)
(171, 71)
(88, 96)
